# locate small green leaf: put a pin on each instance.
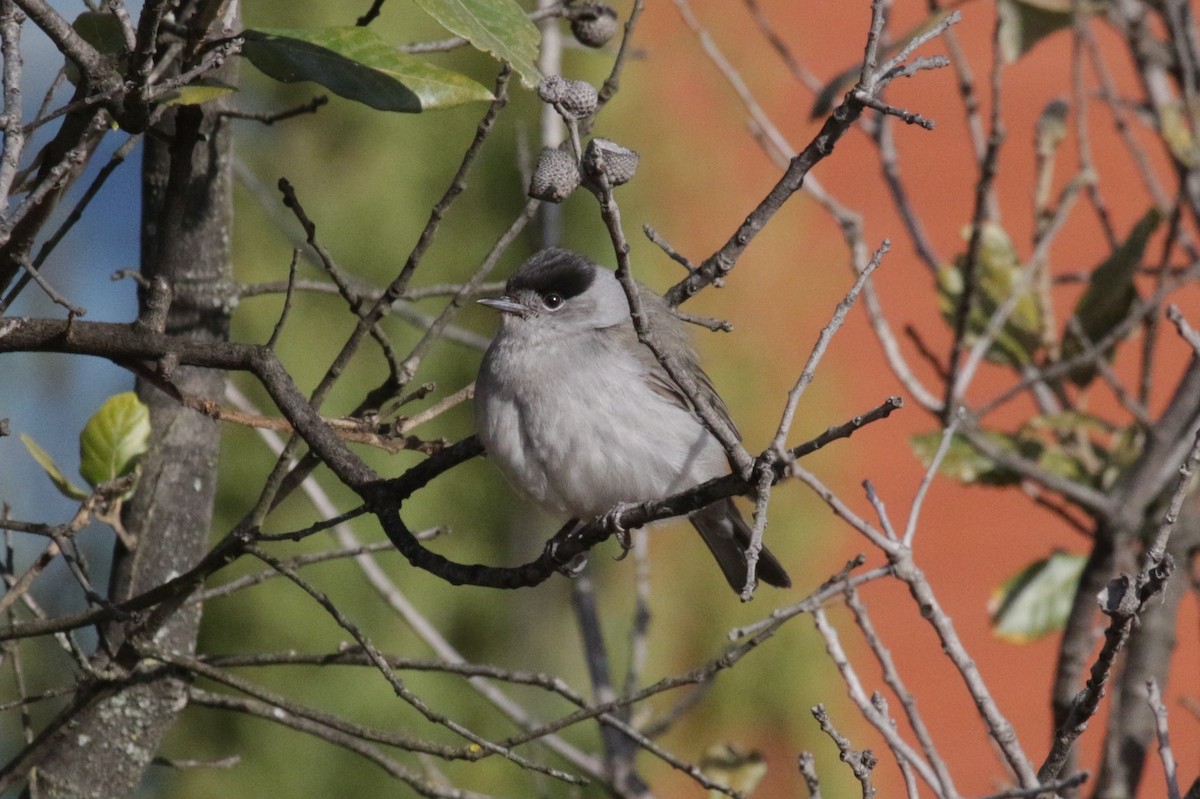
(113, 439)
(356, 64)
(499, 27)
(1110, 294)
(740, 770)
(1178, 135)
(963, 462)
(64, 486)
(1024, 23)
(1037, 600)
(102, 31)
(199, 92)
(1084, 448)
(997, 272)
(1058, 460)
(1125, 449)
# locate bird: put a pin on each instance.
(580, 416)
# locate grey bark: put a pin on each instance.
(1136, 494)
(105, 746)
(1131, 727)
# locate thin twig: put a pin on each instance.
(391, 594)
(1154, 698)
(1186, 331)
(96, 67)
(854, 687)
(861, 762)
(1052, 787)
(798, 70)
(666, 247)
(742, 461)
(263, 710)
(891, 676)
(619, 755)
(984, 211)
(408, 367)
(904, 567)
(270, 118)
(814, 358)
(287, 300)
(808, 770)
(720, 263)
(400, 689)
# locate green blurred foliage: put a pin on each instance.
(368, 180)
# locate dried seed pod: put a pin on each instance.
(555, 176)
(616, 162)
(573, 98)
(579, 99)
(593, 24)
(551, 88)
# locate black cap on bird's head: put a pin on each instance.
(552, 277)
(554, 271)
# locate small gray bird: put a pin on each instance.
(580, 416)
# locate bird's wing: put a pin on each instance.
(672, 333)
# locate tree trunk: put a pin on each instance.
(105, 748)
(1131, 727)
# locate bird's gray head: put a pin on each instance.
(561, 291)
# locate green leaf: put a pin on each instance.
(199, 92)
(971, 466)
(1110, 294)
(963, 462)
(1024, 23)
(1084, 448)
(499, 27)
(102, 31)
(1037, 600)
(1178, 135)
(356, 64)
(64, 486)
(113, 439)
(996, 275)
(740, 770)
(1124, 451)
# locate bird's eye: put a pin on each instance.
(553, 301)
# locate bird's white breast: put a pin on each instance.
(573, 425)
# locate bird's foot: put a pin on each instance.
(611, 522)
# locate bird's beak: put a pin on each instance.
(504, 305)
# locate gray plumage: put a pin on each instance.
(580, 416)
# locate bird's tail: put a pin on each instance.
(725, 531)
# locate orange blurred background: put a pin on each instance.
(701, 177)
